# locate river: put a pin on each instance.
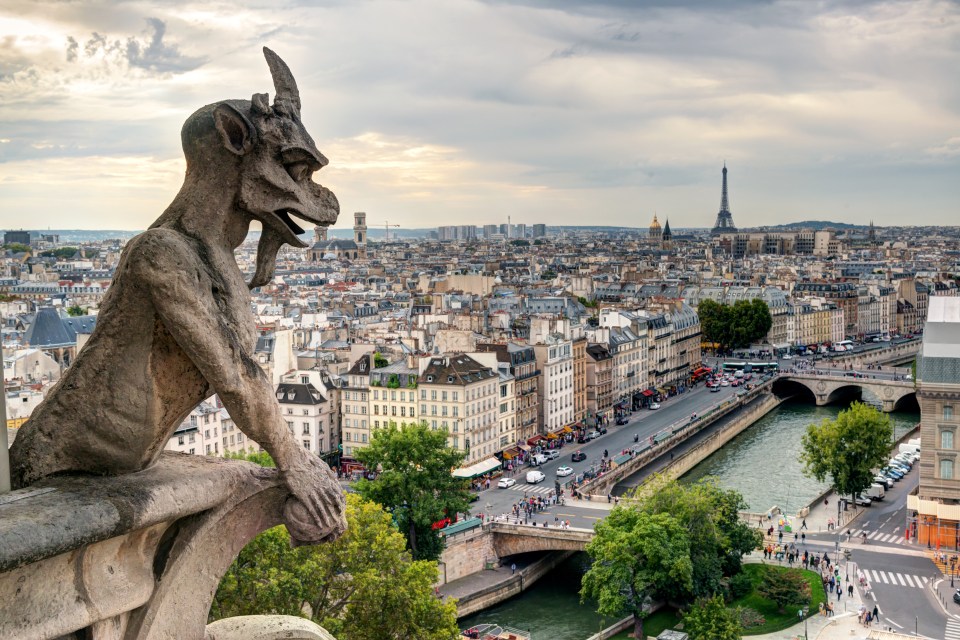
(762, 463)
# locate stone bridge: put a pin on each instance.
(511, 539)
(834, 387)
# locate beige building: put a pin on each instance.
(555, 361)
(937, 502)
(461, 396)
(580, 378)
(599, 380)
(506, 409)
(355, 425)
(522, 361)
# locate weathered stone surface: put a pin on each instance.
(136, 556)
(266, 628)
(176, 325)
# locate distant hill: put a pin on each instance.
(816, 224)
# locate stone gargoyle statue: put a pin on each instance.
(176, 325)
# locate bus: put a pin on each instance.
(843, 345)
(729, 367)
(763, 367)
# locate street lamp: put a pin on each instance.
(806, 610)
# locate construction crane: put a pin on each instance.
(386, 227)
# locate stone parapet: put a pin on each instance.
(137, 556)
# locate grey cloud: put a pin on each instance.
(152, 54)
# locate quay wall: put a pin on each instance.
(511, 586)
(715, 441)
(598, 488)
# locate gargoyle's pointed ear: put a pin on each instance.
(235, 129)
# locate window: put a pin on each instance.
(363, 437)
(946, 469)
(347, 436)
(948, 413)
(193, 451)
(306, 412)
(306, 444)
(180, 440)
(304, 379)
(946, 439)
(306, 428)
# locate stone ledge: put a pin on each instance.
(81, 510)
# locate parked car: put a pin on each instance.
(533, 477)
(564, 471)
(506, 483)
(884, 480)
(621, 421)
(863, 502)
(593, 435)
(892, 473)
(602, 429)
(956, 596)
(578, 456)
(654, 406)
(552, 454)
(538, 459)
(875, 491)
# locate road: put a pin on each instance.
(900, 575)
(644, 423)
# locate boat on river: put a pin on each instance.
(494, 632)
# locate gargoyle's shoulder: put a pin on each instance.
(160, 248)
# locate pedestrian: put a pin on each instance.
(876, 613)
(513, 568)
(850, 590)
(803, 538)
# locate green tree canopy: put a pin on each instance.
(77, 310)
(736, 326)
(846, 450)
(414, 482)
(709, 619)
(788, 587)
(710, 517)
(17, 247)
(637, 557)
(363, 586)
(61, 253)
(263, 458)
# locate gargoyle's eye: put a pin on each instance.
(299, 171)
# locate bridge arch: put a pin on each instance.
(844, 394)
(907, 402)
(785, 388)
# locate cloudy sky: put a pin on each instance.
(462, 111)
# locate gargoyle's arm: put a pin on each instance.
(189, 312)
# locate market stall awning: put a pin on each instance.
(567, 430)
(511, 453)
(478, 469)
(552, 436)
(534, 440)
(647, 392)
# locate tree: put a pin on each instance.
(77, 310)
(710, 516)
(709, 619)
(263, 458)
(847, 449)
(736, 326)
(414, 482)
(17, 247)
(61, 253)
(379, 360)
(519, 243)
(785, 587)
(363, 586)
(637, 557)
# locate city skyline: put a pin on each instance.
(469, 112)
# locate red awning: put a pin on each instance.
(534, 440)
(647, 392)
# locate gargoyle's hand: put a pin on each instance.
(315, 512)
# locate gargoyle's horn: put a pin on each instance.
(283, 82)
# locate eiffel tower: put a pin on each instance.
(724, 222)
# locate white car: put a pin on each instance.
(654, 405)
(506, 483)
(564, 471)
(533, 477)
(724, 384)
(787, 357)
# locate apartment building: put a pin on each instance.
(522, 360)
(555, 361)
(599, 380)
(507, 408)
(580, 378)
(306, 413)
(937, 501)
(354, 402)
(203, 432)
(393, 394)
(461, 396)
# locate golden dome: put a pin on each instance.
(654, 224)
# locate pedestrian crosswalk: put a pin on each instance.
(897, 579)
(533, 488)
(953, 630)
(878, 536)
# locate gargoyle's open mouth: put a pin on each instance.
(287, 220)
